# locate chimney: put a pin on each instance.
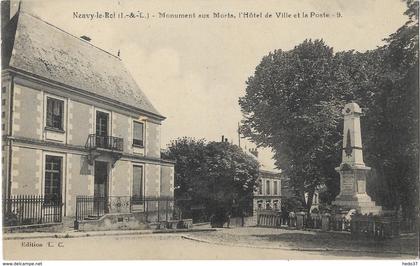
(223, 138)
(254, 152)
(86, 38)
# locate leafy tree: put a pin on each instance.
(293, 104)
(214, 174)
(392, 117)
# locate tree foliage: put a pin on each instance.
(215, 174)
(293, 104)
(392, 117)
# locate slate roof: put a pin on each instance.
(49, 52)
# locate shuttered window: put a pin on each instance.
(137, 184)
(267, 188)
(275, 188)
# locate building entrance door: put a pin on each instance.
(101, 188)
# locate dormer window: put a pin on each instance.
(55, 113)
(138, 134)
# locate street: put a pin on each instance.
(166, 246)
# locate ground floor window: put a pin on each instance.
(268, 205)
(137, 193)
(53, 173)
(276, 204)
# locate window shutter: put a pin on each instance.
(49, 112)
(138, 131)
(137, 181)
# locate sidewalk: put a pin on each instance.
(75, 233)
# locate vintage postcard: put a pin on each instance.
(211, 130)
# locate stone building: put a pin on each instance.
(269, 190)
(268, 195)
(74, 121)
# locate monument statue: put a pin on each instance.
(353, 171)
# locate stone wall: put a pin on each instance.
(152, 140)
(152, 180)
(80, 122)
(80, 181)
(127, 221)
(122, 127)
(26, 171)
(121, 178)
(167, 180)
(28, 112)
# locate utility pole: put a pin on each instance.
(239, 135)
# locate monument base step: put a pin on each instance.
(363, 207)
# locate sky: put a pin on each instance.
(194, 70)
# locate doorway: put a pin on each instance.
(102, 120)
(100, 192)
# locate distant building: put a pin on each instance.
(269, 187)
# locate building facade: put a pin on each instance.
(268, 194)
(269, 187)
(74, 121)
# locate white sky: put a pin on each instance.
(194, 71)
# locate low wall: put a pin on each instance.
(123, 221)
(243, 222)
(54, 227)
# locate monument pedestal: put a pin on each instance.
(353, 190)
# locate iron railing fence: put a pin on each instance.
(409, 225)
(314, 221)
(105, 142)
(339, 223)
(160, 208)
(376, 227)
(268, 218)
(89, 206)
(31, 209)
(360, 226)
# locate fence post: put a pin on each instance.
(300, 220)
(158, 210)
(167, 203)
(42, 209)
(258, 218)
(325, 222)
(61, 210)
(77, 208)
(146, 202)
